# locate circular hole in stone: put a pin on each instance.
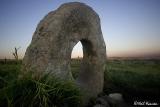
(76, 59)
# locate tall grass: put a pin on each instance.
(48, 91)
(8, 73)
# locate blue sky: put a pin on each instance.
(130, 27)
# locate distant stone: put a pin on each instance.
(116, 99)
(111, 101)
(52, 43)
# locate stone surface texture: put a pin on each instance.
(52, 43)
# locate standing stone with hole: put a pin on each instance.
(52, 43)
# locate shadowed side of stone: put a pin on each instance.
(52, 43)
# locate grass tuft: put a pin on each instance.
(48, 91)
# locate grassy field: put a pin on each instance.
(135, 79)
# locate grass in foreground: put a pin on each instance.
(48, 91)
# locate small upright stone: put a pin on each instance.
(116, 96)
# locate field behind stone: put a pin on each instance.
(136, 79)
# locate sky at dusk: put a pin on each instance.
(130, 27)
